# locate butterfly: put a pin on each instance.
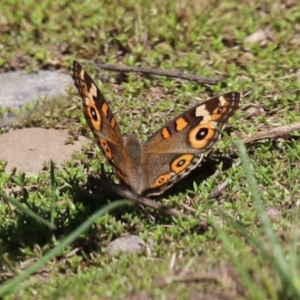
(170, 153)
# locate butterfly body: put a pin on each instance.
(170, 153)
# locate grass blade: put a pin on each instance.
(15, 284)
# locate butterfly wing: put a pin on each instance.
(100, 118)
(178, 147)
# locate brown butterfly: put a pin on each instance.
(170, 153)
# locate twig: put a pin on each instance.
(174, 74)
(139, 199)
(216, 192)
(186, 278)
(272, 133)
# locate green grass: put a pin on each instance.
(251, 252)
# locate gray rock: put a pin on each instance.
(18, 88)
(28, 148)
(130, 243)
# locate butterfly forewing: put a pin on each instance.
(195, 130)
(182, 142)
(100, 118)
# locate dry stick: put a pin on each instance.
(174, 74)
(218, 189)
(272, 133)
(186, 278)
(137, 198)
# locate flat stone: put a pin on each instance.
(260, 36)
(28, 148)
(130, 243)
(18, 88)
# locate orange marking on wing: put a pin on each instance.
(105, 109)
(161, 180)
(113, 122)
(200, 135)
(93, 115)
(165, 133)
(220, 110)
(181, 162)
(181, 123)
(106, 149)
